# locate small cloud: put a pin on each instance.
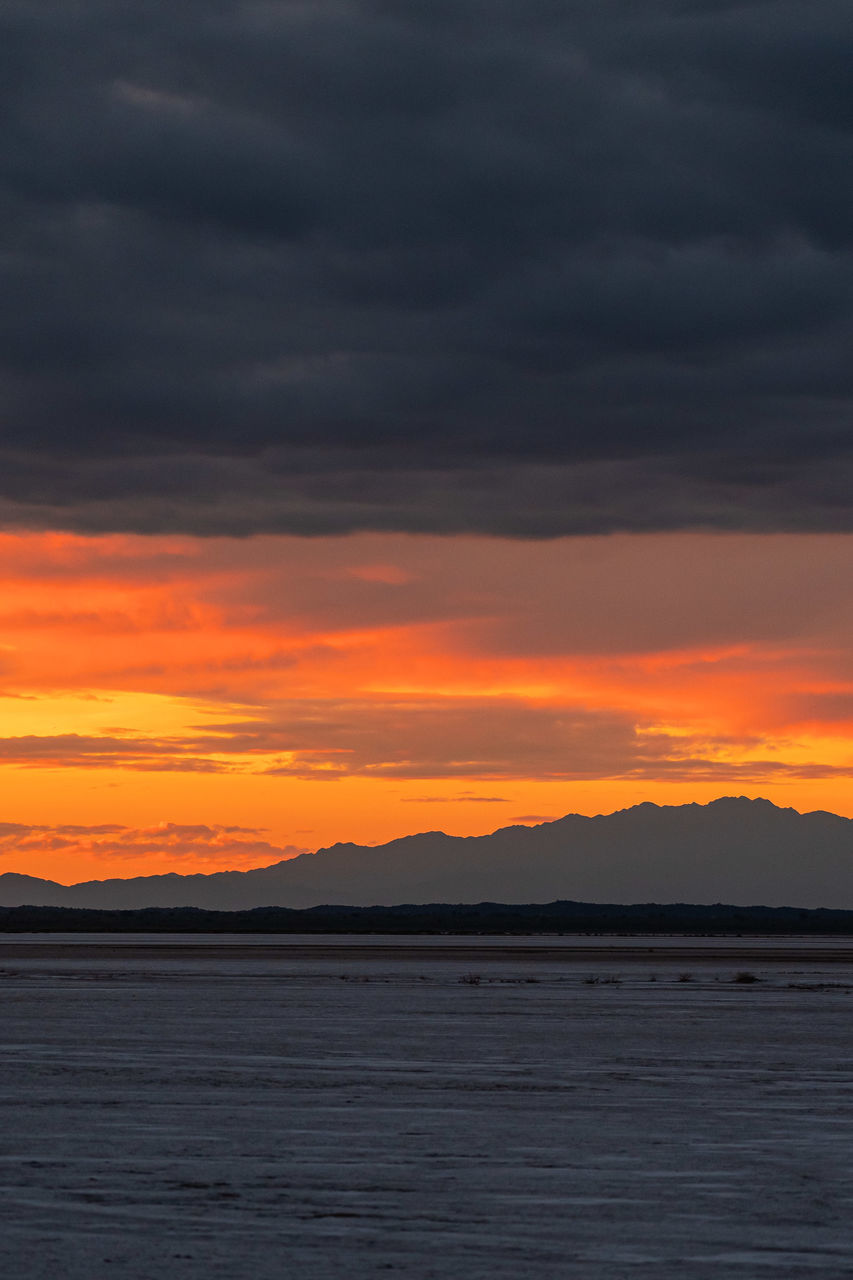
(149, 99)
(534, 817)
(390, 575)
(464, 797)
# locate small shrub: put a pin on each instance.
(470, 979)
(745, 976)
(685, 977)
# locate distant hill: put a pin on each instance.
(476, 919)
(731, 850)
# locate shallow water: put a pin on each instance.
(444, 1110)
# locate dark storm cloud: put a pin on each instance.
(526, 268)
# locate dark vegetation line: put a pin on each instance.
(484, 917)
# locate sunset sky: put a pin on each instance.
(418, 415)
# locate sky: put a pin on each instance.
(418, 415)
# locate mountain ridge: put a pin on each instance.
(731, 849)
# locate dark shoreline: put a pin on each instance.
(463, 952)
(527, 920)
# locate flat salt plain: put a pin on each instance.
(189, 1107)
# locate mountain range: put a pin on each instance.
(731, 850)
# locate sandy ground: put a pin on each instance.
(440, 1108)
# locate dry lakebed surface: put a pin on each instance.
(445, 1107)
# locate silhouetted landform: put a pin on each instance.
(731, 850)
(439, 918)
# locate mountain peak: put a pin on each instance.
(754, 802)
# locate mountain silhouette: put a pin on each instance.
(731, 850)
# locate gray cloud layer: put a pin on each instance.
(526, 268)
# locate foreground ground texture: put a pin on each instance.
(442, 1108)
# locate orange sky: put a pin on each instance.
(186, 704)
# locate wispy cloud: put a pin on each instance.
(158, 847)
(459, 798)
